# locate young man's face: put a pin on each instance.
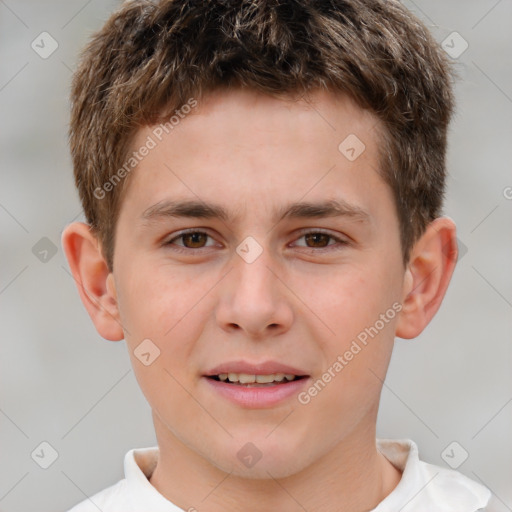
(257, 288)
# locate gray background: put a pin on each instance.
(63, 384)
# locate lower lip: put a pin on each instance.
(257, 397)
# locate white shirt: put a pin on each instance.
(423, 487)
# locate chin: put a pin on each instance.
(268, 468)
(259, 457)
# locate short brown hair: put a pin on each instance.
(151, 57)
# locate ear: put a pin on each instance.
(95, 283)
(430, 268)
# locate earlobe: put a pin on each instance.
(95, 283)
(430, 268)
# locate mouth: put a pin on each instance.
(256, 380)
(256, 385)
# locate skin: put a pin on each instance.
(301, 302)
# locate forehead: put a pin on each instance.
(243, 112)
(241, 146)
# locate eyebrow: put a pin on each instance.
(299, 210)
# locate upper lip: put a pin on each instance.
(262, 368)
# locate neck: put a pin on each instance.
(354, 474)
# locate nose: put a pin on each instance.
(254, 297)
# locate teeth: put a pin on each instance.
(263, 379)
(244, 378)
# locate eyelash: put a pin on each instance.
(181, 234)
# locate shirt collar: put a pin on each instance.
(422, 486)
(425, 487)
(139, 465)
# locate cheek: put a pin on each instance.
(349, 300)
(359, 309)
(154, 299)
(163, 308)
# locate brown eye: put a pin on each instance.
(190, 240)
(319, 239)
(194, 239)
